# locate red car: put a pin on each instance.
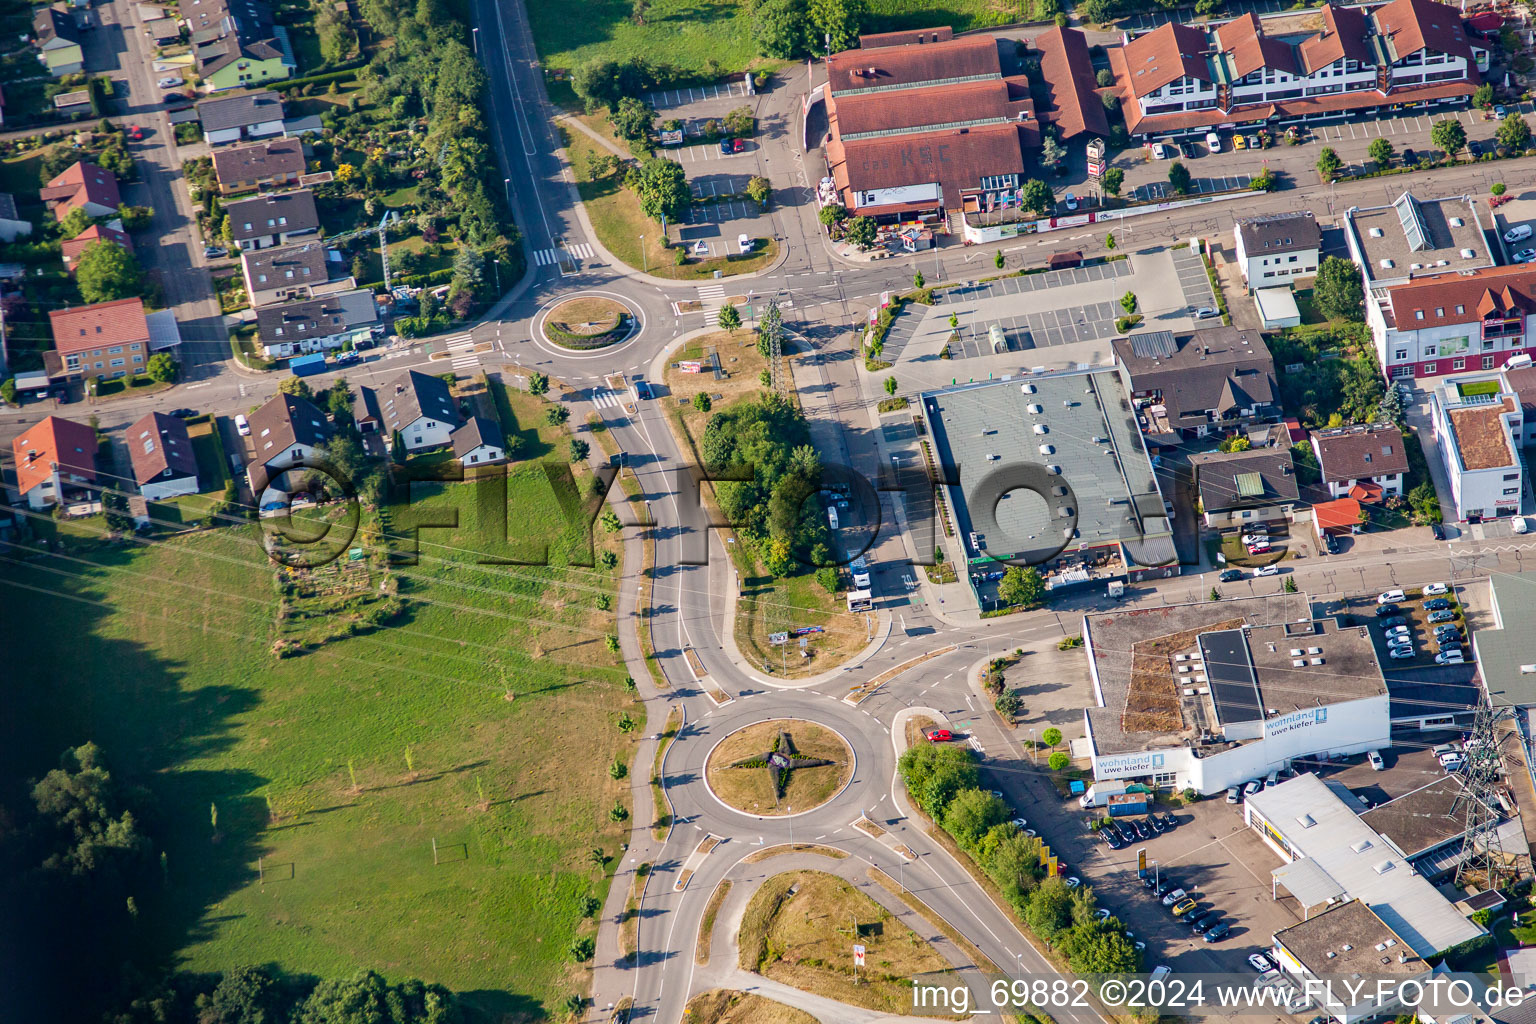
(738, 145)
(939, 735)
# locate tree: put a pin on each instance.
(556, 415)
(971, 813)
(828, 577)
(780, 28)
(1448, 136)
(918, 280)
(759, 189)
(1498, 188)
(831, 214)
(1022, 585)
(777, 559)
(1178, 177)
(662, 188)
(1036, 196)
(1425, 503)
(106, 271)
(1264, 181)
(366, 998)
(701, 401)
(1059, 760)
(8, 391)
(1109, 241)
(1393, 405)
(1482, 96)
(998, 259)
(1099, 947)
(161, 368)
(1289, 586)
(632, 118)
(1051, 737)
(861, 231)
(770, 330)
(84, 816)
(538, 383)
(1106, 78)
(1235, 443)
(1128, 303)
(1051, 151)
(1328, 163)
(298, 387)
(740, 121)
(837, 19)
(1050, 909)
(1380, 150)
(1513, 132)
(1338, 290)
(730, 317)
(74, 222)
(890, 386)
(1113, 181)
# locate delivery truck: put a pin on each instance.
(1099, 793)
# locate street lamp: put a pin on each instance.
(474, 38)
(644, 265)
(498, 276)
(507, 184)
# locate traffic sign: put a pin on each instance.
(858, 955)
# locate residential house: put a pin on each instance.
(289, 272)
(1479, 420)
(273, 163)
(235, 44)
(1366, 462)
(160, 449)
(110, 233)
(53, 458)
(1337, 518)
(316, 325)
(1184, 79)
(1200, 383)
(82, 186)
(1240, 489)
(420, 408)
(12, 225)
(479, 442)
(285, 432)
(269, 220)
(108, 339)
(920, 128)
(1278, 248)
(251, 115)
(57, 39)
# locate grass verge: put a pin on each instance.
(720, 1006)
(707, 926)
(662, 827)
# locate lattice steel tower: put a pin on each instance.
(1481, 850)
(771, 330)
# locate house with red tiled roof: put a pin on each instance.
(83, 186)
(1188, 79)
(108, 339)
(111, 233)
(53, 458)
(160, 450)
(921, 124)
(1455, 320)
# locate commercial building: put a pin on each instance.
(1241, 489)
(917, 129)
(1050, 470)
(269, 220)
(1506, 651)
(1366, 462)
(1204, 382)
(1479, 421)
(1450, 322)
(1280, 70)
(1332, 855)
(1211, 695)
(316, 325)
(1278, 248)
(54, 458)
(160, 449)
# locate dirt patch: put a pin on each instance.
(721, 1006)
(917, 725)
(737, 769)
(1152, 701)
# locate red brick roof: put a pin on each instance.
(106, 323)
(1413, 25)
(1343, 35)
(1074, 105)
(1479, 294)
(970, 57)
(54, 442)
(1336, 515)
(918, 108)
(1166, 54)
(909, 37)
(1151, 124)
(95, 233)
(1250, 49)
(80, 183)
(956, 158)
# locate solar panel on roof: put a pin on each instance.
(1249, 485)
(1154, 345)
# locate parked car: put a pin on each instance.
(1169, 821)
(1499, 111)
(1432, 589)
(1437, 604)
(174, 100)
(1437, 531)
(1443, 615)
(1206, 923)
(1252, 787)
(1409, 157)
(1219, 932)
(1174, 897)
(1183, 907)
(1156, 824)
(1390, 597)
(744, 243)
(738, 145)
(242, 425)
(184, 413)
(939, 735)
(1196, 915)
(1019, 823)
(1523, 256)
(1160, 151)
(1238, 142)
(213, 252)
(1395, 620)
(1260, 962)
(1396, 631)
(1234, 795)
(1206, 312)
(1450, 658)
(1070, 201)
(1385, 609)
(1258, 549)
(1452, 762)
(1400, 653)
(170, 82)
(1268, 570)
(1230, 575)
(1213, 141)
(1164, 886)
(725, 147)
(1373, 757)
(1256, 536)
(1111, 838)
(1519, 524)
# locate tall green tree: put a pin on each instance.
(1328, 163)
(84, 816)
(1513, 132)
(971, 813)
(632, 118)
(1380, 150)
(161, 367)
(860, 231)
(729, 317)
(1178, 177)
(1036, 196)
(106, 271)
(1338, 290)
(1022, 586)
(837, 21)
(1448, 136)
(662, 188)
(1113, 181)
(781, 28)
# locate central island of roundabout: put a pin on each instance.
(779, 767)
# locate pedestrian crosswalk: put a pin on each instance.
(603, 398)
(461, 348)
(711, 297)
(574, 250)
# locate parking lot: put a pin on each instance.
(700, 100)
(714, 222)
(1157, 191)
(1416, 621)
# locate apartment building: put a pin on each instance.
(1479, 422)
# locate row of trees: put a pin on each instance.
(944, 781)
(787, 29)
(257, 995)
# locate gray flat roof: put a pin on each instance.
(1505, 653)
(1421, 819)
(1087, 430)
(1338, 663)
(1430, 236)
(1343, 940)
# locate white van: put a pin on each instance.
(242, 425)
(832, 518)
(1518, 233)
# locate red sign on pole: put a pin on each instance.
(858, 955)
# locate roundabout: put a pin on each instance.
(587, 325)
(771, 768)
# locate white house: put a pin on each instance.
(1277, 249)
(421, 409)
(53, 458)
(1478, 422)
(1365, 462)
(160, 449)
(285, 432)
(252, 115)
(316, 325)
(479, 443)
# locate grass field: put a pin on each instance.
(484, 718)
(712, 37)
(751, 789)
(719, 1006)
(803, 940)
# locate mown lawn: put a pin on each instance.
(483, 718)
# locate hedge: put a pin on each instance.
(581, 342)
(324, 78)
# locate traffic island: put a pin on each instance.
(723, 1006)
(588, 322)
(779, 767)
